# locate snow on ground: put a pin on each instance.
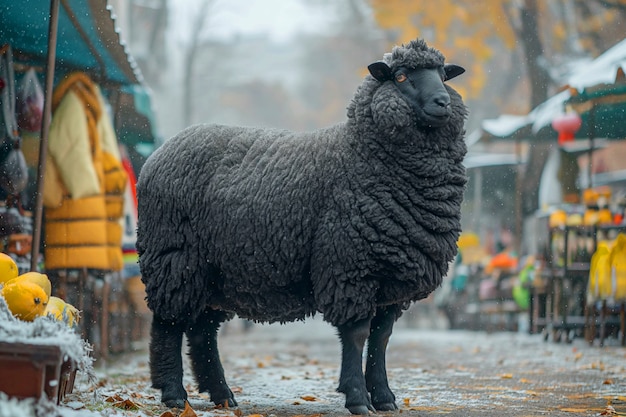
(293, 370)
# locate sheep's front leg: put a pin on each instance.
(375, 368)
(166, 362)
(205, 358)
(351, 379)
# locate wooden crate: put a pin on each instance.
(34, 371)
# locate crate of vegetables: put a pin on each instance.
(40, 351)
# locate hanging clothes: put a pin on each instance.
(84, 181)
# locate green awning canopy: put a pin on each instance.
(602, 110)
(88, 39)
(596, 90)
(62, 36)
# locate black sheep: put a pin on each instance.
(354, 222)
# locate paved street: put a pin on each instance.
(293, 370)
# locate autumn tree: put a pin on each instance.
(460, 29)
(475, 33)
(491, 36)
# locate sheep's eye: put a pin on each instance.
(401, 78)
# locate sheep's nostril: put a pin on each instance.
(443, 101)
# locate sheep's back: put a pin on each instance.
(225, 215)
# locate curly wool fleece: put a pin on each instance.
(276, 226)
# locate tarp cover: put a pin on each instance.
(94, 47)
(597, 84)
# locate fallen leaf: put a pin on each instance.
(524, 381)
(168, 413)
(126, 405)
(406, 402)
(506, 376)
(598, 365)
(114, 398)
(238, 413)
(308, 398)
(607, 382)
(609, 411)
(188, 411)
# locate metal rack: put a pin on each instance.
(559, 308)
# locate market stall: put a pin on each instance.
(576, 214)
(86, 76)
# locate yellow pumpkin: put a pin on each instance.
(8, 268)
(25, 299)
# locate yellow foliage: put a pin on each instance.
(559, 31)
(442, 21)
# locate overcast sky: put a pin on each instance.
(279, 19)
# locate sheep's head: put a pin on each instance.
(417, 72)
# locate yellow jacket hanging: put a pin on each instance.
(84, 181)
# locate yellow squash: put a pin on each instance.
(8, 268)
(26, 300)
(62, 311)
(36, 278)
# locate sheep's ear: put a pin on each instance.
(380, 71)
(452, 71)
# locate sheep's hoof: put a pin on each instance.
(386, 406)
(174, 396)
(174, 403)
(361, 409)
(226, 403)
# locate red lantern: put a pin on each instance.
(567, 124)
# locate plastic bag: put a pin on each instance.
(30, 102)
(14, 172)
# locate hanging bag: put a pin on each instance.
(30, 102)
(13, 168)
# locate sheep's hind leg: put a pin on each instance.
(205, 358)
(166, 363)
(375, 368)
(351, 379)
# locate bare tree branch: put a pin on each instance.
(198, 23)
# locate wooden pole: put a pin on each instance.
(519, 220)
(45, 130)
